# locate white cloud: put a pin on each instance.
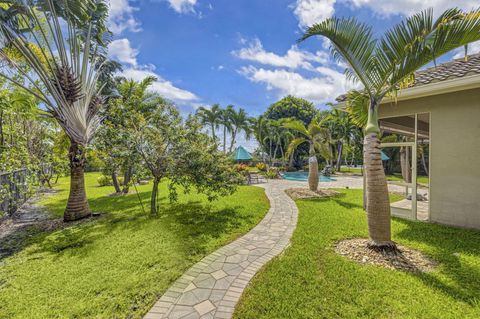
(472, 49)
(309, 12)
(121, 17)
(293, 59)
(320, 89)
(408, 7)
(161, 86)
(122, 51)
(183, 6)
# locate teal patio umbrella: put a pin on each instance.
(241, 155)
(384, 156)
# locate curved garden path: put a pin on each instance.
(213, 286)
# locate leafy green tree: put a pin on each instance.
(177, 150)
(286, 108)
(61, 51)
(115, 138)
(317, 139)
(292, 107)
(383, 66)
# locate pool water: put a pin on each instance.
(303, 176)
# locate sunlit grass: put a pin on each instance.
(118, 265)
(311, 281)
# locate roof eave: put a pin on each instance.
(447, 86)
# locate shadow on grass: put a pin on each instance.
(448, 246)
(194, 222)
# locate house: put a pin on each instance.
(442, 110)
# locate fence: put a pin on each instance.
(14, 190)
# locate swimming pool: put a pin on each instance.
(303, 176)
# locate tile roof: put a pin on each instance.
(457, 68)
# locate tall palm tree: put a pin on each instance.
(64, 62)
(210, 117)
(240, 122)
(258, 126)
(225, 121)
(383, 66)
(318, 139)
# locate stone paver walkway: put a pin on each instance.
(213, 286)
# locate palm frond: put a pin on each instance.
(293, 145)
(296, 125)
(352, 43)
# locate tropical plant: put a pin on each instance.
(176, 149)
(383, 66)
(240, 122)
(317, 139)
(114, 139)
(211, 117)
(225, 121)
(61, 50)
(341, 129)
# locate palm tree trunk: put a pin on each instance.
(154, 197)
(339, 157)
(224, 139)
(213, 131)
(232, 143)
(378, 204)
(424, 164)
(312, 170)
(77, 204)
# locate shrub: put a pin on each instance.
(241, 167)
(104, 181)
(272, 173)
(262, 167)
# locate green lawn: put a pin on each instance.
(350, 170)
(117, 266)
(397, 177)
(311, 281)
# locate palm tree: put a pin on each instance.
(383, 66)
(317, 138)
(240, 122)
(258, 126)
(341, 128)
(210, 117)
(225, 121)
(62, 53)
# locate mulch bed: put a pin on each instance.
(302, 193)
(405, 259)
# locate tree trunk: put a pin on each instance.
(312, 170)
(424, 164)
(339, 157)
(115, 182)
(2, 137)
(154, 198)
(126, 180)
(213, 131)
(232, 143)
(224, 139)
(405, 164)
(378, 204)
(77, 204)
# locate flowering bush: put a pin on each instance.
(262, 167)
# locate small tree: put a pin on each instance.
(178, 150)
(317, 139)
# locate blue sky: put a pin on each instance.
(242, 52)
